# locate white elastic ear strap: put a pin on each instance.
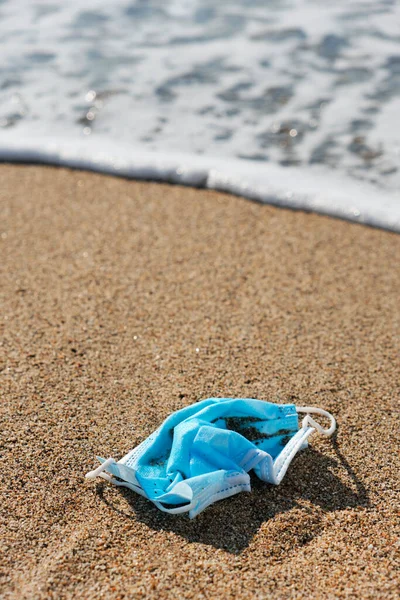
(309, 421)
(99, 472)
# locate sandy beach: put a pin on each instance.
(123, 301)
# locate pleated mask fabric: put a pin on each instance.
(204, 452)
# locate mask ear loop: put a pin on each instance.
(312, 423)
(99, 472)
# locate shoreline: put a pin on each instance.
(313, 189)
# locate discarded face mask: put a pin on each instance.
(204, 452)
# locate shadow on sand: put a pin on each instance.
(313, 480)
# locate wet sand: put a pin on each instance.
(123, 301)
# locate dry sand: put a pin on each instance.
(122, 302)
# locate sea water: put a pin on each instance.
(292, 102)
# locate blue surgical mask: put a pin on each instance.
(204, 452)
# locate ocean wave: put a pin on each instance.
(314, 189)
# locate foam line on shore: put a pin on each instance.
(311, 189)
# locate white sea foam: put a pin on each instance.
(313, 189)
(298, 100)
